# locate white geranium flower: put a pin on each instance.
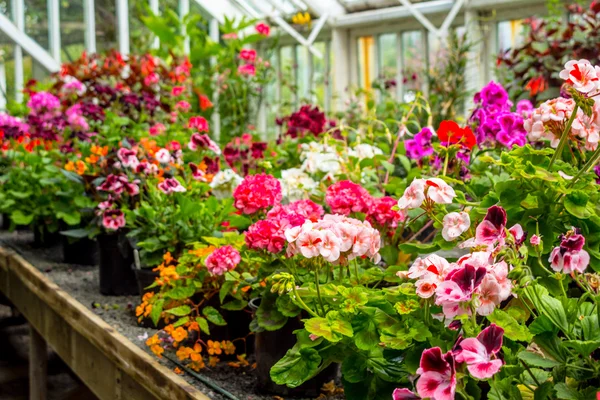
(224, 183)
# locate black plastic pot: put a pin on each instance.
(80, 251)
(270, 347)
(145, 277)
(116, 256)
(44, 238)
(5, 224)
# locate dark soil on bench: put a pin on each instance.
(81, 282)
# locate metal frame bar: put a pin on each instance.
(54, 29)
(123, 26)
(89, 18)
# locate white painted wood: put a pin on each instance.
(328, 78)
(399, 67)
(317, 28)
(54, 28)
(18, 16)
(3, 87)
(123, 26)
(154, 7)
(213, 30)
(389, 14)
(89, 19)
(340, 45)
(220, 9)
(450, 17)
(419, 16)
(184, 10)
(321, 7)
(474, 69)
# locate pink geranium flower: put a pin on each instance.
(535, 240)
(439, 191)
(113, 219)
(128, 157)
(257, 192)
(582, 75)
(222, 260)
(199, 123)
(491, 229)
(248, 55)
(404, 394)
(171, 185)
(381, 213)
(163, 156)
(263, 29)
(247, 69)
(413, 196)
(345, 197)
(118, 184)
(157, 129)
(438, 375)
(455, 224)
(309, 243)
(177, 91)
(197, 173)
(480, 353)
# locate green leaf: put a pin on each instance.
(354, 368)
(512, 329)
(181, 321)
(286, 306)
(156, 311)
(536, 360)
(548, 305)
(180, 311)
(268, 316)
(583, 347)
(542, 324)
(181, 293)
(565, 392)
(235, 305)
(576, 204)
(296, 367)
(203, 324)
(213, 316)
(19, 218)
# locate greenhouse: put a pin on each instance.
(299, 199)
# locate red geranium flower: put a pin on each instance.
(450, 133)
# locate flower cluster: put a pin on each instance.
(257, 193)
(224, 183)
(336, 238)
(430, 190)
(345, 197)
(382, 214)
(269, 234)
(223, 259)
(308, 119)
(493, 120)
(296, 184)
(437, 371)
(420, 145)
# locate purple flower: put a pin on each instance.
(597, 171)
(419, 146)
(524, 107)
(43, 102)
(492, 94)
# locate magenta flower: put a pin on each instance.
(263, 29)
(128, 157)
(404, 394)
(222, 260)
(570, 256)
(345, 197)
(438, 375)
(118, 184)
(177, 91)
(420, 145)
(247, 69)
(113, 219)
(266, 235)
(248, 55)
(171, 185)
(198, 123)
(480, 353)
(381, 213)
(157, 129)
(257, 192)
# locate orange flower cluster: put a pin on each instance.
(78, 167)
(97, 153)
(192, 354)
(154, 343)
(166, 270)
(145, 308)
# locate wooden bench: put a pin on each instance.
(108, 363)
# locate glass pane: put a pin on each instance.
(303, 74)
(36, 21)
(106, 25)
(366, 61)
(288, 86)
(271, 101)
(72, 30)
(510, 34)
(319, 77)
(414, 62)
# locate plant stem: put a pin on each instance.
(531, 373)
(563, 138)
(319, 290)
(587, 167)
(303, 304)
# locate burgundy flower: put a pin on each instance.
(480, 353)
(438, 375)
(491, 229)
(171, 185)
(113, 219)
(197, 173)
(570, 256)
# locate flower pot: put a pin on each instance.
(5, 224)
(145, 277)
(270, 347)
(116, 256)
(82, 251)
(42, 237)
